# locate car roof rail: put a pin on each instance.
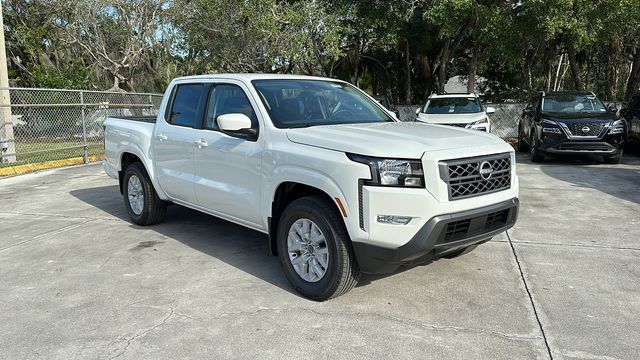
(543, 93)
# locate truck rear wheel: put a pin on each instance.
(140, 198)
(315, 250)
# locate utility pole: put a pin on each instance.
(7, 139)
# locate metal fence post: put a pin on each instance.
(85, 154)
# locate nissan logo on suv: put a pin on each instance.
(486, 170)
(586, 129)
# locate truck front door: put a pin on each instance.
(229, 167)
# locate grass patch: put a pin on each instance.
(37, 152)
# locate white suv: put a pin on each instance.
(462, 110)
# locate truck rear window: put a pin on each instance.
(184, 106)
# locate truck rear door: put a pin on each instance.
(174, 141)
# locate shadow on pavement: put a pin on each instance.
(620, 180)
(242, 248)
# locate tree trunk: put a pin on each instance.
(556, 82)
(473, 66)
(407, 81)
(633, 84)
(442, 68)
(612, 76)
(575, 68)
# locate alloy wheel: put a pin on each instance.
(308, 251)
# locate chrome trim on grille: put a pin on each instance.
(570, 135)
(464, 178)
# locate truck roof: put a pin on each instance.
(250, 77)
(567, 92)
(452, 95)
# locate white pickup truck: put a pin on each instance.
(339, 184)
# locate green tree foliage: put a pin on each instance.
(404, 49)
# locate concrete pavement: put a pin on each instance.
(79, 281)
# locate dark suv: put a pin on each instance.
(631, 113)
(564, 122)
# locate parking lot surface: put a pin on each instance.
(79, 281)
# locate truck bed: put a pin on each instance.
(147, 119)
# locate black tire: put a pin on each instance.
(153, 209)
(522, 146)
(342, 272)
(615, 159)
(534, 153)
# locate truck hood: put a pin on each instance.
(392, 139)
(451, 118)
(579, 117)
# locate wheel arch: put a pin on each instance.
(129, 157)
(288, 191)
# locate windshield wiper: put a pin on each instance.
(298, 126)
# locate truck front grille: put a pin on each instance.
(585, 128)
(476, 176)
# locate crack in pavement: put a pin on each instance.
(48, 234)
(533, 304)
(404, 321)
(70, 217)
(142, 334)
(586, 246)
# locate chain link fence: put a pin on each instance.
(504, 122)
(39, 125)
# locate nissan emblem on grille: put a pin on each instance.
(586, 129)
(485, 170)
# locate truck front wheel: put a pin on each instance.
(143, 204)
(314, 249)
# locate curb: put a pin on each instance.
(27, 168)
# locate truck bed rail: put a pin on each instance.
(147, 119)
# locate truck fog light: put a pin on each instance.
(394, 220)
(413, 181)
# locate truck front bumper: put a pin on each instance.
(440, 235)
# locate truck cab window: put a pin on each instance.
(184, 108)
(228, 99)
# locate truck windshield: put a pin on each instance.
(302, 103)
(569, 103)
(453, 105)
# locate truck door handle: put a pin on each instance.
(202, 143)
(162, 137)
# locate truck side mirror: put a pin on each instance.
(234, 122)
(418, 111)
(490, 110)
(613, 108)
(237, 124)
(528, 110)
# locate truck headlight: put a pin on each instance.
(617, 127)
(475, 124)
(551, 127)
(392, 172)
